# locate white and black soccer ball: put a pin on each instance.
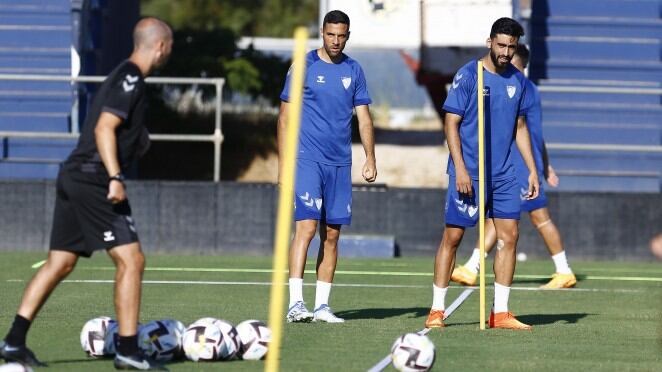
(202, 341)
(110, 341)
(230, 344)
(93, 336)
(112, 337)
(15, 367)
(255, 337)
(162, 339)
(412, 352)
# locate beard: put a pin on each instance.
(495, 59)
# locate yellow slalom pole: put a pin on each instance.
(286, 200)
(481, 191)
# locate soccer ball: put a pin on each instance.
(255, 338)
(15, 367)
(202, 341)
(112, 337)
(230, 344)
(162, 339)
(412, 352)
(93, 335)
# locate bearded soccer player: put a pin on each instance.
(92, 211)
(563, 276)
(506, 104)
(334, 86)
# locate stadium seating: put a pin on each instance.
(35, 39)
(600, 43)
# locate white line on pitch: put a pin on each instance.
(458, 301)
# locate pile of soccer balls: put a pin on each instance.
(412, 352)
(206, 339)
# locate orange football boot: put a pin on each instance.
(435, 319)
(506, 320)
(463, 276)
(561, 281)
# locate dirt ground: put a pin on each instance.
(397, 166)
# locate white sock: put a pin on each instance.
(501, 294)
(322, 291)
(474, 262)
(561, 263)
(296, 290)
(438, 297)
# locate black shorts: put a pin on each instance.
(84, 219)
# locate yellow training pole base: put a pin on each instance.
(286, 200)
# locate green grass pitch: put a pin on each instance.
(611, 322)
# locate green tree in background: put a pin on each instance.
(268, 18)
(206, 34)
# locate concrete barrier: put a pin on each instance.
(238, 218)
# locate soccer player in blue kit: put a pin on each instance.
(506, 104)
(563, 277)
(334, 86)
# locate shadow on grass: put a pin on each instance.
(79, 360)
(539, 319)
(383, 313)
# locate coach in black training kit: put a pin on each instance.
(91, 209)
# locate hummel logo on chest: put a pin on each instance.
(320, 79)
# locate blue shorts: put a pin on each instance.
(533, 204)
(323, 192)
(502, 201)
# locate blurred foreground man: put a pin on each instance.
(91, 209)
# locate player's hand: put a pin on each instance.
(369, 171)
(552, 178)
(463, 182)
(533, 186)
(116, 192)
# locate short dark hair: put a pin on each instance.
(523, 53)
(336, 16)
(506, 26)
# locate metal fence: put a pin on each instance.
(216, 138)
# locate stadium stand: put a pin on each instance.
(600, 43)
(35, 38)
(59, 38)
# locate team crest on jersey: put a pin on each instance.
(346, 81)
(511, 89)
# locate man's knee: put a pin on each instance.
(452, 239)
(508, 238)
(61, 265)
(306, 229)
(332, 235)
(128, 257)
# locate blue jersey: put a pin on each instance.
(534, 123)
(505, 100)
(330, 93)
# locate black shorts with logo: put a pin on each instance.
(84, 219)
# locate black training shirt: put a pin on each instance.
(121, 94)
